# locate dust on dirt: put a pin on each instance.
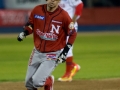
(102, 84)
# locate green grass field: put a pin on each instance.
(97, 53)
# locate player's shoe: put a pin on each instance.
(50, 87)
(33, 89)
(52, 78)
(68, 76)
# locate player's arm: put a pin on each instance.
(78, 4)
(78, 12)
(71, 32)
(27, 29)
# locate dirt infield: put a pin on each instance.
(106, 84)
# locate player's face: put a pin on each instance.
(52, 3)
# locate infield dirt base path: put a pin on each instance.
(106, 84)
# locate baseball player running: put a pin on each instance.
(50, 26)
(74, 9)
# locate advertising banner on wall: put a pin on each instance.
(22, 4)
(13, 17)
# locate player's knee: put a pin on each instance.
(28, 86)
(27, 83)
(38, 83)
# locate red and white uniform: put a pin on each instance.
(73, 7)
(50, 29)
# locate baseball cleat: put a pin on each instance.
(65, 79)
(52, 78)
(50, 86)
(68, 76)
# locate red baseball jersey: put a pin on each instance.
(50, 29)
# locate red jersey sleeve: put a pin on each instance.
(29, 25)
(78, 9)
(69, 28)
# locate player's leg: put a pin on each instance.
(39, 70)
(33, 89)
(49, 83)
(71, 66)
(42, 76)
(32, 67)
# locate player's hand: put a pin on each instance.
(61, 58)
(21, 36)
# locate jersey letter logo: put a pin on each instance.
(56, 29)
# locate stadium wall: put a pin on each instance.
(100, 19)
(92, 19)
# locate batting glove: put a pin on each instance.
(21, 36)
(62, 57)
